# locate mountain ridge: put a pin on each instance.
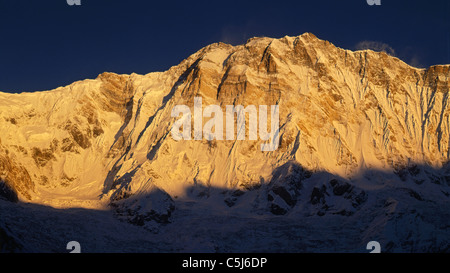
(228, 68)
(361, 132)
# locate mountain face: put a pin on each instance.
(362, 148)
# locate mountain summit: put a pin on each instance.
(363, 136)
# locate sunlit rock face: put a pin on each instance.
(340, 112)
(350, 123)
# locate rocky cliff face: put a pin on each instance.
(341, 113)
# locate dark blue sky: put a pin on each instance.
(47, 43)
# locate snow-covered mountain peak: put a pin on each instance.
(353, 126)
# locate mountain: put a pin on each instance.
(361, 154)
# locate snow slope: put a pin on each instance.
(363, 152)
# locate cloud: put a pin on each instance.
(233, 35)
(415, 62)
(237, 34)
(375, 46)
(408, 54)
(412, 56)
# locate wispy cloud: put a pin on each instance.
(415, 61)
(408, 54)
(232, 34)
(375, 46)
